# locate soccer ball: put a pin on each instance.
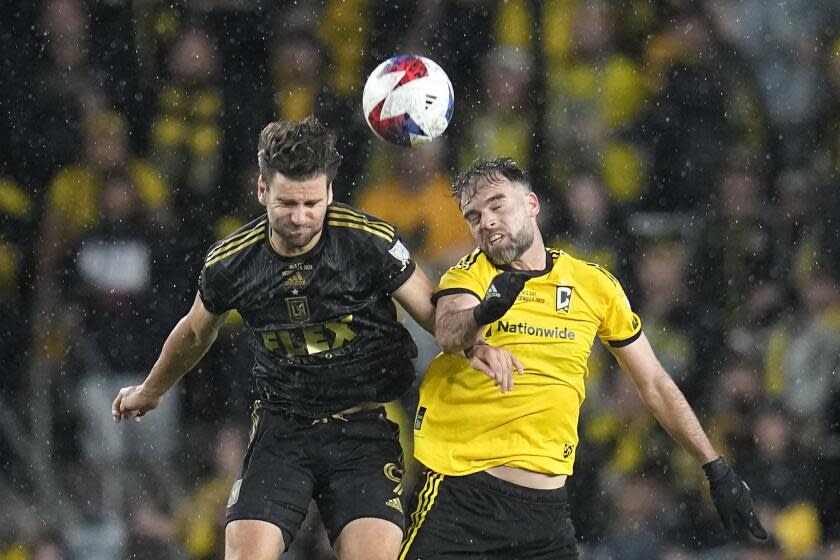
(408, 100)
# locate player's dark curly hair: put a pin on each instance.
(297, 149)
(492, 170)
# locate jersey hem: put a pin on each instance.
(472, 470)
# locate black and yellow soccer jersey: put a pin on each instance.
(325, 330)
(464, 424)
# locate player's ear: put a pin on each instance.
(262, 190)
(533, 204)
(329, 194)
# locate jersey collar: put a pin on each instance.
(549, 264)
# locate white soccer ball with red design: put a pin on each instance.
(408, 100)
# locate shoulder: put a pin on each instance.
(589, 275)
(473, 265)
(237, 243)
(590, 270)
(469, 261)
(356, 224)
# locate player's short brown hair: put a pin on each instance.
(297, 149)
(492, 170)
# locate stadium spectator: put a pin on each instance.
(74, 202)
(413, 193)
(733, 267)
(197, 524)
(186, 137)
(504, 119)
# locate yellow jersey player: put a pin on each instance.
(497, 460)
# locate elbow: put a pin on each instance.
(204, 338)
(195, 336)
(658, 393)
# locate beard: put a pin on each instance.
(506, 253)
(296, 238)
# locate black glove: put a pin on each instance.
(500, 296)
(732, 499)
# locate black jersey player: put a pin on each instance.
(314, 281)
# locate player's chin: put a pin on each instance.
(301, 238)
(499, 254)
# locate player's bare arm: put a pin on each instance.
(455, 325)
(658, 391)
(457, 330)
(460, 323)
(662, 396)
(415, 296)
(184, 347)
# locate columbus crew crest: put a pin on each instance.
(564, 298)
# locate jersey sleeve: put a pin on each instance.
(620, 325)
(212, 286)
(397, 264)
(463, 278)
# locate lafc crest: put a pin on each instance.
(298, 309)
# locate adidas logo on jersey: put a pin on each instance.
(395, 503)
(296, 280)
(492, 292)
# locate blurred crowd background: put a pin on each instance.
(692, 148)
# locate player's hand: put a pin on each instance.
(496, 363)
(733, 500)
(133, 402)
(500, 296)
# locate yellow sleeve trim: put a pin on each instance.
(355, 225)
(236, 249)
(342, 213)
(235, 240)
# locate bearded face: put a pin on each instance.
(499, 219)
(505, 247)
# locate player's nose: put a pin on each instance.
(487, 224)
(298, 216)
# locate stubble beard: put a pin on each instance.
(295, 242)
(520, 242)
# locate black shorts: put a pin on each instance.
(351, 465)
(481, 517)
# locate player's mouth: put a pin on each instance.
(494, 239)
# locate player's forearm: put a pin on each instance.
(457, 330)
(183, 348)
(668, 404)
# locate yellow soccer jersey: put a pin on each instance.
(464, 424)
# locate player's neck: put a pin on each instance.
(534, 258)
(281, 249)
